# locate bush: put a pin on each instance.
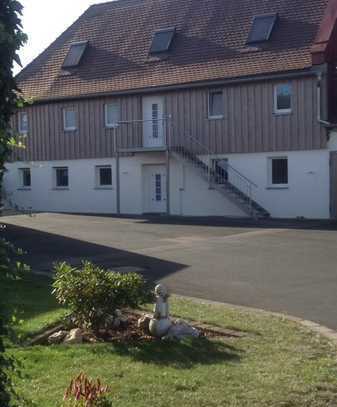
(93, 294)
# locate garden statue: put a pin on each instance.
(160, 323)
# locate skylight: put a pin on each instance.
(262, 28)
(162, 40)
(75, 54)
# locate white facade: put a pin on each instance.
(306, 195)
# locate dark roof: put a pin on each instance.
(210, 44)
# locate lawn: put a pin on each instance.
(277, 363)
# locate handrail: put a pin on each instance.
(209, 152)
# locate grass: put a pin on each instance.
(276, 364)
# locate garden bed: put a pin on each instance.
(129, 332)
(274, 363)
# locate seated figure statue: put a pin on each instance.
(160, 323)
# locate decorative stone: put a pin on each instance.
(144, 323)
(74, 336)
(180, 330)
(57, 337)
(160, 322)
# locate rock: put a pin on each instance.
(180, 330)
(90, 337)
(57, 337)
(144, 323)
(74, 336)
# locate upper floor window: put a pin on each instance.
(61, 177)
(278, 172)
(283, 98)
(215, 104)
(23, 122)
(25, 178)
(69, 119)
(112, 114)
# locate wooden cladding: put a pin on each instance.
(248, 125)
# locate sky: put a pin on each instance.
(44, 20)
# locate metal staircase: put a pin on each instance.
(221, 176)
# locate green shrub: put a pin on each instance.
(93, 294)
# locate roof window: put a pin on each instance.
(75, 54)
(162, 40)
(262, 28)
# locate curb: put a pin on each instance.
(312, 326)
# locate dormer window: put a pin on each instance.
(162, 40)
(262, 28)
(75, 54)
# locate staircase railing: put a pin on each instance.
(219, 172)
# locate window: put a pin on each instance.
(104, 176)
(25, 178)
(262, 28)
(278, 172)
(158, 187)
(75, 54)
(155, 123)
(23, 122)
(282, 98)
(69, 119)
(215, 104)
(61, 177)
(162, 40)
(112, 114)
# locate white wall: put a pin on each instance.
(332, 143)
(308, 192)
(81, 196)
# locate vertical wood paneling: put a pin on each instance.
(249, 123)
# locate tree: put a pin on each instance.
(11, 40)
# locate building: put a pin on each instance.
(194, 107)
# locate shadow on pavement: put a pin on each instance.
(44, 249)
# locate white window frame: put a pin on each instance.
(270, 173)
(107, 124)
(71, 128)
(276, 109)
(55, 186)
(98, 184)
(219, 116)
(21, 172)
(21, 130)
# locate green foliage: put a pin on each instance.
(93, 294)
(11, 40)
(9, 269)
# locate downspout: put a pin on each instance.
(319, 103)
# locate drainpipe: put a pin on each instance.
(324, 123)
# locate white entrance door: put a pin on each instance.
(154, 126)
(154, 188)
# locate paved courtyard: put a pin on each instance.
(283, 266)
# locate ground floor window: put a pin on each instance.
(25, 178)
(278, 171)
(104, 176)
(61, 177)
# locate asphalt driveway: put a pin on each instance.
(284, 266)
